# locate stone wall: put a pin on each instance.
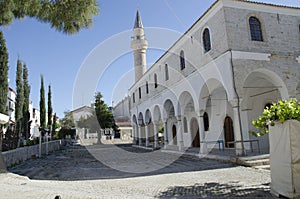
(20, 155)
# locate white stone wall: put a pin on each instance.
(122, 108)
(20, 155)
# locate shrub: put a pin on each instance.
(278, 112)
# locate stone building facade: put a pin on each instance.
(236, 59)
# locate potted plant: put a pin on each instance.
(282, 122)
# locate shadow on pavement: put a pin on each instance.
(217, 190)
(77, 163)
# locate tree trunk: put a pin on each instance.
(2, 164)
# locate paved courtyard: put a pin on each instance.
(109, 171)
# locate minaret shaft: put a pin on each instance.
(139, 46)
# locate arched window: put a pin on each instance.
(140, 93)
(185, 128)
(147, 88)
(255, 29)
(166, 72)
(206, 121)
(155, 81)
(182, 60)
(206, 40)
(133, 97)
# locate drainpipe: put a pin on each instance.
(238, 101)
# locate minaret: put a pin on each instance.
(139, 46)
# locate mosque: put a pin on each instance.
(205, 90)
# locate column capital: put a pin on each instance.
(156, 123)
(234, 102)
(178, 117)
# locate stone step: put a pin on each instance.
(266, 167)
(256, 162)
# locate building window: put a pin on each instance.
(147, 88)
(255, 29)
(140, 93)
(182, 60)
(155, 81)
(133, 97)
(166, 72)
(185, 128)
(206, 121)
(206, 40)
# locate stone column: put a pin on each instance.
(180, 134)
(155, 135)
(140, 135)
(166, 134)
(239, 146)
(203, 145)
(147, 134)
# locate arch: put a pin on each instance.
(186, 103)
(169, 109)
(155, 81)
(262, 78)
(140, 119)
(182, 60)
(147, 117)
(194, 127)
(206, 40)
(210, 87)
(255, 29)
(228, 132)
(134, 120)
(156, 114)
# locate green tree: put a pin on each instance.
(103, 113)
(67, 126)
(42, 104)
(49, 108)
(68, 16)
(4, 75)
(3, 82)
(54, 124)
(19, 97)
(26, 94)
(68, 121)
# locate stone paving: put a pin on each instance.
(106, 171)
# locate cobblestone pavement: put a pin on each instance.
(75, 173)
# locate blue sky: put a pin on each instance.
(60, 57)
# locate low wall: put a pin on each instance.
(22, 154)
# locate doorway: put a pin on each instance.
(228, 132)
(174, 133)
(195, 133)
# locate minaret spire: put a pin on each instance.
(138, 22)
(139, 46)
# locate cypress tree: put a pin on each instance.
(26, 113)
(42, 104)
(54, 124)
(19, 98)
(49, 107)
(3, 82)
